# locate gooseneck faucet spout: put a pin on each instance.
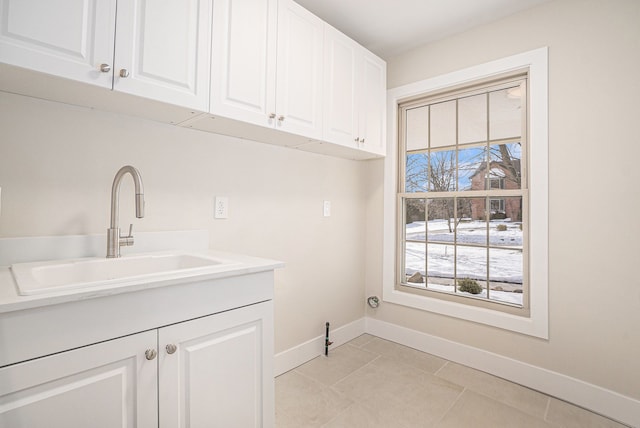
(114, 239)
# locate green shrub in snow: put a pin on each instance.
(469, 286)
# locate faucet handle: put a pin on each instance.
(127, 241)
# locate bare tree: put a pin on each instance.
(442, 178)
(504, 154)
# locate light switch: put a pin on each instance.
(326, 208)
(221, 208)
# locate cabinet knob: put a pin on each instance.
(171, 348)
(150, 354)
(105, 68)
(272, 115)
(357, 140)
(362, 140)
(280, 118)
(124, 73)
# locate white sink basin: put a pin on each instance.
(62, 275)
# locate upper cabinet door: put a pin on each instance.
(355, 94)
(340, 103)
(163, 50)
(66, 38)
(299, 71)
(372, 123)
(243, 64)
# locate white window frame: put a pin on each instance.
(537, 323)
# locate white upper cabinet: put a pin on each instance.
(256, 66)
(372, 103)
(162, 51)
(66, 38)
(243, 66)
(355, 90)
(341, 88)
(299, 71)
(161, 48)
(267, 65)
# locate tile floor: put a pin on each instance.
(371, 382)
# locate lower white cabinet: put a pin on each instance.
(106, 385)
(212, 371)
(220, 374)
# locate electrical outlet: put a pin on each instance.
(326, 208)
(221, 208)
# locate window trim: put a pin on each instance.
(537, 323)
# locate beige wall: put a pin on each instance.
(57, 163)
(594, 58)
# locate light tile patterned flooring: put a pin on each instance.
(371, 382)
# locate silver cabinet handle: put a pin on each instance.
(171, 348)
(124, 73)
(280, 118)
(357, 140)
(272, 115)
(362, 140)
(105, 68)
(150, 354)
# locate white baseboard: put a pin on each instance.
(597, 399)
(298, 355)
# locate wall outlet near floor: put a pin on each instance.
(326, 208)
(221, 207)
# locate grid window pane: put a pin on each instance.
(505, 229)
(472, 119)
(506, 275)
(441, 225)
(442, 171)
(471, 269)
(443, 124)
(415, 256)
(505, 114)
(471, 224)
(440, 267)
(471, 162)
(415, 214)
(416, 175)
(506, 166)
(417, 128)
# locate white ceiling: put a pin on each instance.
(390, 27)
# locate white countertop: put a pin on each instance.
(10, 300)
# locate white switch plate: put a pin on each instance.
(221, 208)
(326, 208)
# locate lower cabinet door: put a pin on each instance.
(107, 385)
(217, 371)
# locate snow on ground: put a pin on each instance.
(505, 263)
(469, 232)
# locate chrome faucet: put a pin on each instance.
(114, 239)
